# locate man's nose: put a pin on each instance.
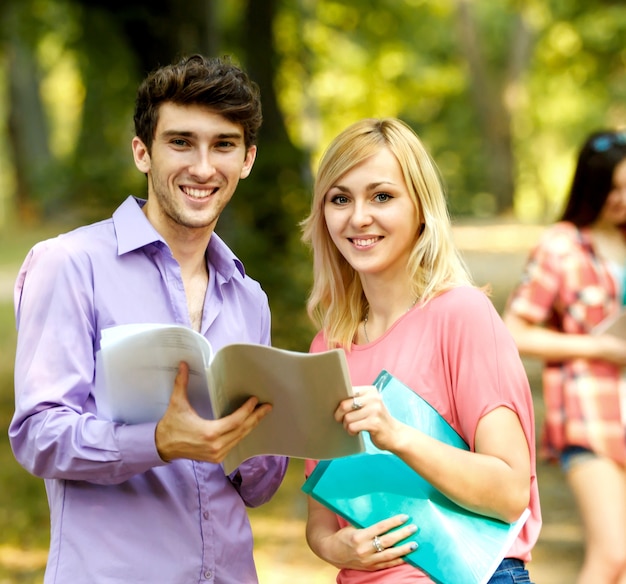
(202, 166)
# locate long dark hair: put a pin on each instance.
(593, 179)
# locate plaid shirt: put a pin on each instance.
(567, 288)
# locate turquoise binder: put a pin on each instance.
(455, 545)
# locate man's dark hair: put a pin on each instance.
(215, 83)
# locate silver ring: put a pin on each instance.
(377, 545)
(356, 404)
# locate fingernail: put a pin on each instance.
(412, 528)
(404, 517)
(413, 546)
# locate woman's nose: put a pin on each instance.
(361, 214)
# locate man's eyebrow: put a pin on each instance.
(230, 135)
(190, 133)
(169, 133)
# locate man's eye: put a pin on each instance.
(179, 142)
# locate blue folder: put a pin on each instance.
(455, 545)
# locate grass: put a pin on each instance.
(24, 517)
(24, 520)
(281, 552)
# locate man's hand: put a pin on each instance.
(182, 433)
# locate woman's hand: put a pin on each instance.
(365, 411)
(368, 549)
(611, 348)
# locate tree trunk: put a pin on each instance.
(276, 177)
(495, 102)
(27, 128)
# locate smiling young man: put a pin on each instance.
(148, 502)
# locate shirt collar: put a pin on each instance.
(134, 231)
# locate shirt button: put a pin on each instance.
(208, 575)
(205, 515)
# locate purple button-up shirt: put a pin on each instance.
(119, 514)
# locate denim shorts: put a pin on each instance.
(510, 571)
(573, 455)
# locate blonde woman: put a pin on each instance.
(390, 288)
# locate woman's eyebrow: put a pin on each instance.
(369, 187)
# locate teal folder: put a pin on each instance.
(454, 544)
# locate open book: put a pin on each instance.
(139, 364)
(615, 325)
(612, 325)
(454, 545)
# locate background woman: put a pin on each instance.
(573, 280)
(390, 288)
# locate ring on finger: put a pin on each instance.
(377, 545)
(356, 404)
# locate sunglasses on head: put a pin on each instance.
(607, 141)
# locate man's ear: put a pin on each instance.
(141, 155)
(248, 162)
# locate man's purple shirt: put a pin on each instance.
(118, 512)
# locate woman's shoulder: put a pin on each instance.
(463, 300)
(561, 238)
(318, 344)
(459, 295)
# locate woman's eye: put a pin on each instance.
(382, 197)
(339, 199)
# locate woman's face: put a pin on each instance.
(614, 210)
(371, 217)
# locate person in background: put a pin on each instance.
(390, 288)
(148, 502)
(573, 280)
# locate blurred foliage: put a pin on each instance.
(496, 90)
(502, 93)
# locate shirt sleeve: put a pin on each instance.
(55, 431)
(538, 290)
(485, 367)
(258, 478)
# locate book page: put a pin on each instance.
(304, 389)
(140, 363)
(137, 365)
(616, 325)
(612, 325)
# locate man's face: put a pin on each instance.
(194, 166)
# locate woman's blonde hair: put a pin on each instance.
(337, 303)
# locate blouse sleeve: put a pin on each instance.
(536, 294)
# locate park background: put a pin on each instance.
(502, 94)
